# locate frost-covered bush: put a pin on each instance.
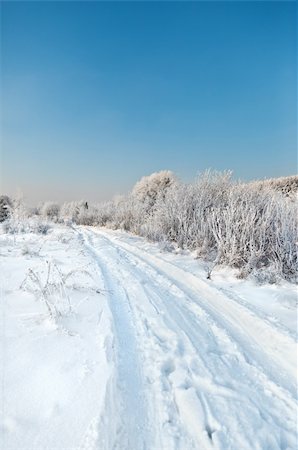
(5, 207)
(50, 289)
(77, 212)
(87, 216)
(23, 219)
(106, 213)
(256, 229)
(181, 214)
(50, 210)
(17, 218)
(26, 225)
(250, 226)
(152, 187)
(288, 186)
(123, 213)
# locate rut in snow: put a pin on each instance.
(183, 363)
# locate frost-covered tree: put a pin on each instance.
(149, 188)
(5, 207)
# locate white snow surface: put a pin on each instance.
(152, 355)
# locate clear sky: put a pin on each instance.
(95, 95)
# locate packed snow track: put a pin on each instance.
(179, 362)
(193, 368)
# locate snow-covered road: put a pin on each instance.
(177, 361)
(194, 368)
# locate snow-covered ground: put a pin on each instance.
(143, 352)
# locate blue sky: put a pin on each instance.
(95, 95)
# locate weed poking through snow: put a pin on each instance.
(50, 288)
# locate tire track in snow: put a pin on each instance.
(163, 427)
(179, 317)
(127, 428)
(258, 337)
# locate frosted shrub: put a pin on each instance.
(26, 225)
(40, 227)
(106, 213)
(5, 207)
(149, 188)
(288, 186)
(87, 216)
(256, 229)
(77, 212)
(22, 219)
(181, 215)
(50, 210)
(251, 226)
(50, 289)
(236, 224)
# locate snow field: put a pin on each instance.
(54, 372)
(153, 356)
